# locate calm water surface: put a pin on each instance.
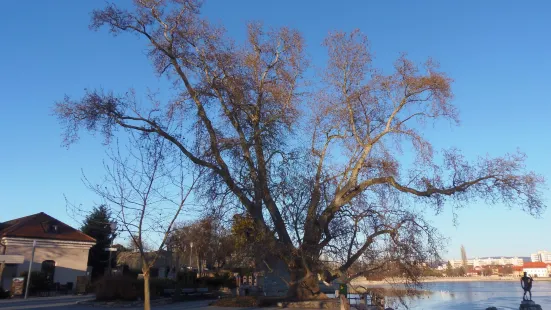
(476, 295)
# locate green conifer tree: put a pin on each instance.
(97, 226)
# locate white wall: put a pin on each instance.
(10, 271)
(71, 259)
(539, 272)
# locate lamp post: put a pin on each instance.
(190, 254)
(218, 254)
(29, 273)
(113, 227)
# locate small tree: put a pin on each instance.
(461, 271)
(507, 270)
(97, 225)
(148, 187)
(449, 270)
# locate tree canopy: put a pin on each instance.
(202, 243)
(317, 164)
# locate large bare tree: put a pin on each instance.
(315, 165)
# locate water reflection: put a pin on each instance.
(472, 295)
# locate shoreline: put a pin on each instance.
(363, 282)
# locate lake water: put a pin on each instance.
(475, 295)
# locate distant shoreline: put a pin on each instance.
(444, 279)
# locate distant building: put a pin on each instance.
(537, 269)
(489, 261)
(541, 256)
(518, 271)
(473, 273)
(456, 263)
(164, 264)
(61, 252)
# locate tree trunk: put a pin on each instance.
(199, 266)
(146, 293)
(345, 304)
(2, 266)
(2, 276)
(304, 286)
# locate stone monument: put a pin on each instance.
(527, 302)
(526, 284)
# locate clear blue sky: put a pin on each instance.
(498, 53)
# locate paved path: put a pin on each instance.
(58, 302)
(194, 305)
(69, 303)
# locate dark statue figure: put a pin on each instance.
(526, 284)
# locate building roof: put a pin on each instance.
(42, 226)
(534, 265)
(134, 259)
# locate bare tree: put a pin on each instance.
(147, 186)
(308, 170)
(212, 243)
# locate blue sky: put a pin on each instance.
(498, 53)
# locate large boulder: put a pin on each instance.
(529, 305)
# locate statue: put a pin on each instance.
(526, 284)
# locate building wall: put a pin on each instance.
(71, 258)
(456, 263)
(537, 272)
(478, 262)
(541, 256)
(517, 261)
(10, 271)
(518, 273)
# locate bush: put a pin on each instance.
(126, 271)
(161, 284)
(156, 287)
(117, 288)
(4, 294)
(39, 282)
(218, 281)
(120, 287)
